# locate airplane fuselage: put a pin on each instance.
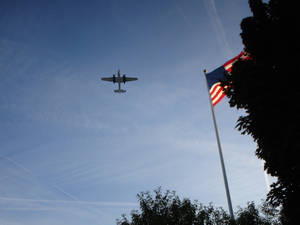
(118, 79)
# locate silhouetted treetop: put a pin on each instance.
(266, 86)
(168, 209)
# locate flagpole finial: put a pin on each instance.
(204, 70)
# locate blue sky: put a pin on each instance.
(74, 152)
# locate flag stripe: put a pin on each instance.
(213, 78)
(216, 93)
(214, 87)
(229, 63)
(218, 99)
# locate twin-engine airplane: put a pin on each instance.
(119, 80)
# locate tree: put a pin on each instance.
(252, 215)
(265, 86)
(169, 209)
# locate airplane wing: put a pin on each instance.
(107, 79)
(131, 78)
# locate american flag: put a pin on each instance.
(215, 77)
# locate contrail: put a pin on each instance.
(66, 193)
(69, 202)
(221, 36)
(31, 209)
(74, 198)
(32, 175)
(18, 165)
(180, 11)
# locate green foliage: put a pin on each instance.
(251, 215)
(266, 87)
(169, 209)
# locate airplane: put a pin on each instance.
(119, 80)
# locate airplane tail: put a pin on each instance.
(119, 91)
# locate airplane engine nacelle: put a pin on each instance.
(114, 78)
(124, 79)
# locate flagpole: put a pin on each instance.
(220, 152)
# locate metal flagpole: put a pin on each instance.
(220, 152)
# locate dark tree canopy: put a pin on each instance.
(168, 209)
(266, 86)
